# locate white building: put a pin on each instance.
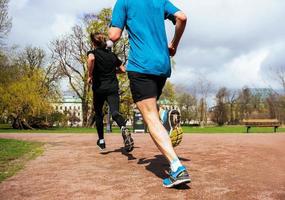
(71, 105)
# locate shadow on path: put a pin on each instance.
(122, 151)
(160, 167)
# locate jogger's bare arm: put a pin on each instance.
(181, 21)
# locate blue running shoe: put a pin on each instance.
(179, 177)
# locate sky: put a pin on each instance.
(231, 43)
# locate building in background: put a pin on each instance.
(71, 106)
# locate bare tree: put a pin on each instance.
(232, 107)
(221, 108)
(31, 59)
(5, 20)
(69, 53)
(202, 89)
(188, 107)
(244, 103)
(280, 72)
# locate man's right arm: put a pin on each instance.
(115, 34)
(118, 22)
(181, 21)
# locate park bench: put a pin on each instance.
(261, 123)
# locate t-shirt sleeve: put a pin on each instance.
(119, 15)
(169, 11)
(90, 52)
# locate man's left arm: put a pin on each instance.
(179, 19)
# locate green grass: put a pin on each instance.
(8, 129)
(186, 129)
(14, 154)
(229, 129)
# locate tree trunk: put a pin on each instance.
(91, 120)
(85, 112)
(26, 125)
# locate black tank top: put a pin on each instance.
(104, 72)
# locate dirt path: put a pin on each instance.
(222, 167)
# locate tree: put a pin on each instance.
(5, 20)
(24, 100)
(233, 107)
(25, 92)
(272, 103)
(57, 118)
(280, 74)
(221, 108)
(168, 92)
(187, 105)
(100, 23)
(201, 90)
(31, 57)
(244, 103)
(69, 52)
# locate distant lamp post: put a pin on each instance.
(109, 126)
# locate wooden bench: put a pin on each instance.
(261, 123)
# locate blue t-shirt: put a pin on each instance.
(144, 21)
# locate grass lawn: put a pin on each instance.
(14, 154)
(229, 129)
(4, 128)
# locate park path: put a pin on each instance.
(223, 166)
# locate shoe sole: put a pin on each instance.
(101, 148)
(129, 144)
(178, 182)
(128, 141)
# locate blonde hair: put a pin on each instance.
(98, 40)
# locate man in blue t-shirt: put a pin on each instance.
(149, 65)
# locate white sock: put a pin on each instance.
(175, 164)
(102, 141)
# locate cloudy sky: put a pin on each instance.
(232, 43)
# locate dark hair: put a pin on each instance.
(98, 40)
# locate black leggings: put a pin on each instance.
(113, 101)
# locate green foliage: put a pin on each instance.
(168, 92)
(26, 91)
(187, 105)
(57, 118)
(14, 154)
(116, 130)
(98, 23)
(25, 97)
(126, 100)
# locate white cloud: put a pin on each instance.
(230, 41)
(39, 22)
(243, 70)
(18, 4)
(62, 24)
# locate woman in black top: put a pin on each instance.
(102, 68)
